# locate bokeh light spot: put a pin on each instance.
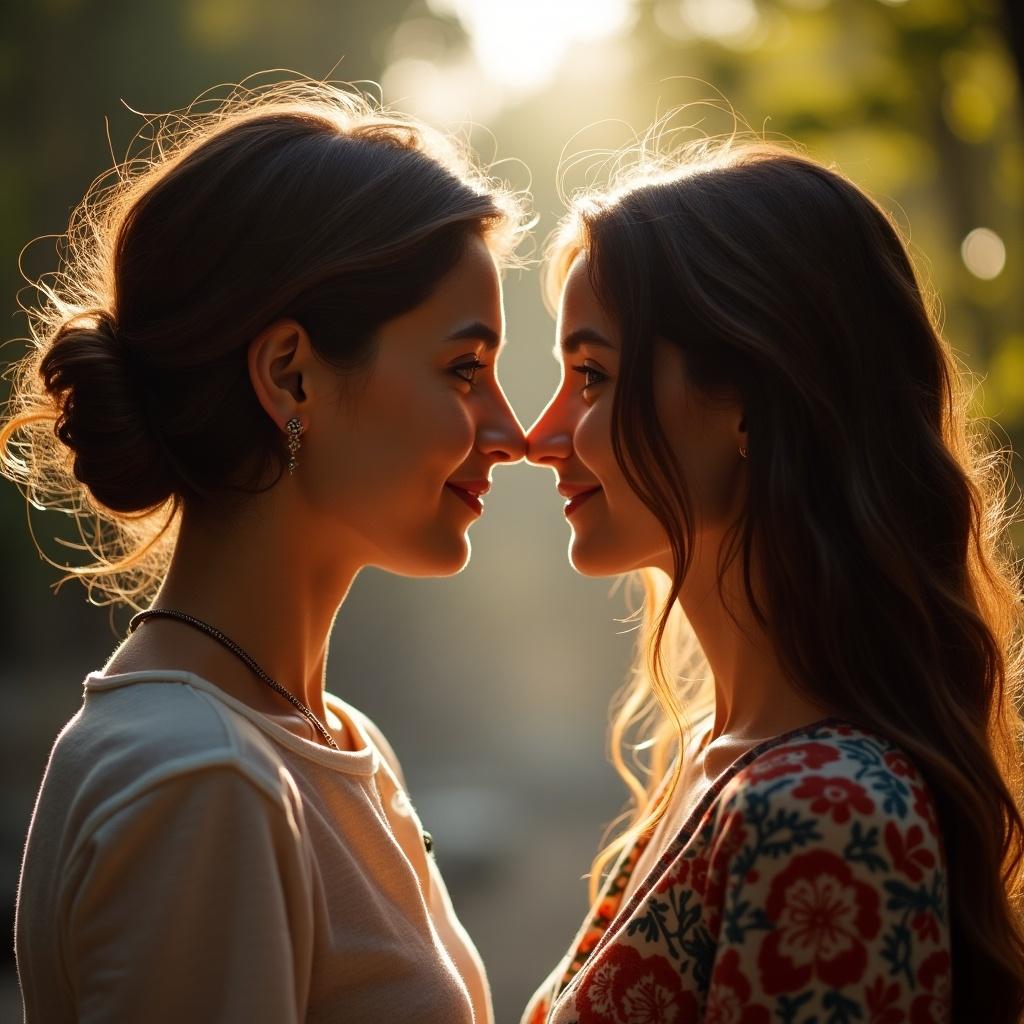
(983, 253)
(721, 20)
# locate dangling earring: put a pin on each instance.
(743, 451)
(294, 428)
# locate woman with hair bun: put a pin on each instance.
(758, 414)
(268, 362)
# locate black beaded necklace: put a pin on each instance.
(136, 619)
(250, 661)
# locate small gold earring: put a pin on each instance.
(294, 427)
(743, 451)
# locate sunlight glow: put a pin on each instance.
(521, 45)
(450, 92)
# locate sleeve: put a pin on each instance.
(832, 903)
(192, 902)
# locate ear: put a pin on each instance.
(280, 358)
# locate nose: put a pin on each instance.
(501, 435)
(549, 440)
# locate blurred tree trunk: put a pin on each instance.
(1013, 18)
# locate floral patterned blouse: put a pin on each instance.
(807, 886)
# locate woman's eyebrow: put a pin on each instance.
(476, 331)
(584, 336)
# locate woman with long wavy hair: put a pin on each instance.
(297, 279)
(759, 415)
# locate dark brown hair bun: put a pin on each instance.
(87, 372)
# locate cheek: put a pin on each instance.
(593, 445)
(408, 437)
(429, 442)
(626, 528)
(592, 442)
(444, 432)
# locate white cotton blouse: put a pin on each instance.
(190, 859)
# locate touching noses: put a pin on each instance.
(549, 440)
(501, 435)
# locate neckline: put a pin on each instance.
(685, 832)
(364, 761)
(682, 836)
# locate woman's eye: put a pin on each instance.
(591, 376)
(467, 371)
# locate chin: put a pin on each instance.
(455, 563)
(590, 560)
(452, 554)
(594, 559)
(439, 557)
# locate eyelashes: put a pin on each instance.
(468, 371)
(591, 375)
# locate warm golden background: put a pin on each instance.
(493, 685)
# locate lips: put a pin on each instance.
(470, 492)
(577, 495)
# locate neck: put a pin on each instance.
(754, 697)
(269, 588)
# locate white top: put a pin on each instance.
(191, 859)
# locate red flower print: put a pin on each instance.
(729, 995)
(908, 856)
(880, 1000)
(654, 995)
(716, 873)
(699, 874)
(789, 759)
(934, 1005)
(923, 805)
(594, 999)
(626, 988)
(926, 925)
(835, 797)
(822, 916)
(676, 874)
(898, 764)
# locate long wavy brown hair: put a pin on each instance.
(877, 509)
(294, 199)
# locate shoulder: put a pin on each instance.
(839, 774)
(838, 807)
(827, 877)
(128, 740)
